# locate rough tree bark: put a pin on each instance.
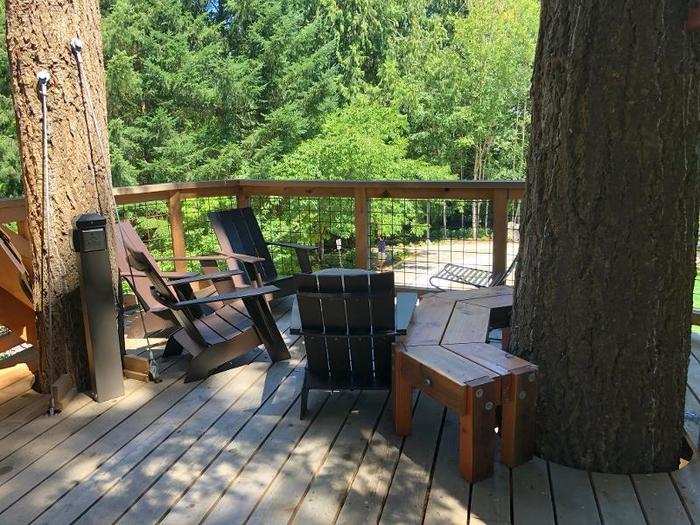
(603, 296)
(38, 37)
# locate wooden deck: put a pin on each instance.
(232, 449)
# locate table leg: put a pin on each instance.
(477, 438)
(518, 419)
(505, 338)
(402, 393)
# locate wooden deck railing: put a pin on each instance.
(498, 194)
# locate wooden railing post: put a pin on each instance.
(361, 228)
(500, 230)
(242, 199)
(177, 230)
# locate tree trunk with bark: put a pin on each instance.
(603, 295)
(39, 33)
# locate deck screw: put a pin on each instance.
(522, 395)
(531, 378)
(488, 405)
(479, 393)
(428, 382)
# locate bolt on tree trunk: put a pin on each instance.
(603, 295)
(38, 38)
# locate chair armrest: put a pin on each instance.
(302, 251)
(175, 275)
(251, 291)
(244, 258)
(205, 277)
(167, 275)
(293, 246)
(405, 306)
(295, 324)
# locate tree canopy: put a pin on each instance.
(330, 89)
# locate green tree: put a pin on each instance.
(10, 170)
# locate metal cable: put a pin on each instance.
(43, 78)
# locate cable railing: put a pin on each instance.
(410, 227)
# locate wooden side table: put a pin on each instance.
(459, 384)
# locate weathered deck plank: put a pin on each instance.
(289, 486)
(49, 462)
(325, 494)
(406, 498)
(448, 501)
(659, 500)
(574, 497)
(240, 499)
(367, 491)
(687, 481)
(617, 499)
(490, 499)
(532, 500)
(238, 401)
(233, 449)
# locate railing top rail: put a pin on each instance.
(15, 209)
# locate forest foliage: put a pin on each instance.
(310, 89)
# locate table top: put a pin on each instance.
(457, 317)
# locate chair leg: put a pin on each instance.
(207, 360)
(259, 311)
(172, 348)
(304, 399)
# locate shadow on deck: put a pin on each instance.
(232, 449)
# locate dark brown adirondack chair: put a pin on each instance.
(160, 317)
(16, 306)
(238, 232)
(349, 323)
(215, 338)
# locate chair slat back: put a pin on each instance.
(238, 231)
(162, 292)
(348, 325)
(312, 320)
(129, 239)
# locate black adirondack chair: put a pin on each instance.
(241, 323)
(238, 232)
(349, 323)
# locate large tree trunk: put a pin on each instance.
(603, 296)
(39, 33)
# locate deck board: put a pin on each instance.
(532, 499)
(289, 486)
(574, 497)
(448, 501)
(326, 493)
(617, 499)
(406, 499)
(659, 499)
(243, 392)
(365, 498)
(490, 499)
(232, 449)
(240, 499)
